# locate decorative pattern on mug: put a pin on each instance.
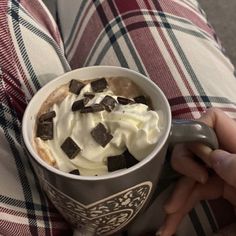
(104, 217)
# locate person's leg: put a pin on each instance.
(169, 41)
(31, 54)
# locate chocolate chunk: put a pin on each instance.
(45, 130)
(116, 163)
(75, 172)
(130, 160)
(98, 107)
(108, 102)
(75, 86)
(93, 108)
(101, 135)
(88, 109)
(124, 101)
(47, 116)
(141, 99)
(78, 105)
(89, 95)
(70, 148)
(99, 85)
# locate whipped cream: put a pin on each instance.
(133, 126)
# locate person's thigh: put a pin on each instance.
(172, 43)
(31, 54)
(169, 41)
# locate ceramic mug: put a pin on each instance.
(104, 205)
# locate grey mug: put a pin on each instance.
(104, 205)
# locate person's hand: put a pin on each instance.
(197, 184)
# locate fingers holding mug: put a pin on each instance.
(183, 161)
(189, 139)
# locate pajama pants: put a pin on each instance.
(169, 41)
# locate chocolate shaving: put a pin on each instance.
(75, 172)
(47, 116)
(141, 99)
(99, 85)
(45, 130)
(109, 103)
(101, 135)
(75, 86)
(70, 148)
(130, 160)
(78, 105)
(124, 101)
(93, 108)
(116, 163)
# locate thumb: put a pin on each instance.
(224, 164)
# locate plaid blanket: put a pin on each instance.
(170, 41)
(28, 35)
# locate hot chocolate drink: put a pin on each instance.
(95, 127)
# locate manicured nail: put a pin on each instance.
(218, 158)
(168, 208)
(205, 153)
(203, 179)
(160, 231)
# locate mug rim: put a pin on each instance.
(33, 154)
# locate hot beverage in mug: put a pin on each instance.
(96, 127)
(97, 138)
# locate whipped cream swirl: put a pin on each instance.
(133, 126)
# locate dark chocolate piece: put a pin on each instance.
(78, 105)
(124, 101)
(99, 85)
(93, 108)
(89, 95)
(101, 135)
(70, 148)
(88, 109)
(75, 172)
(45, 130)
(108, 102)
(75, 86)
(116, 163)
(47, 116)
(141, 99)
(130, 160)
(98, 107)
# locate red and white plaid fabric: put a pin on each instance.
(170, 41)
(31, 54)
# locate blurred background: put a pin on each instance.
(221, 15)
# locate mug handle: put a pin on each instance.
(184, 131)
(187, 131)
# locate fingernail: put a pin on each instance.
(203, 179)
(205, 151)
(160, 231)
(168, 208)
(218, 158)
